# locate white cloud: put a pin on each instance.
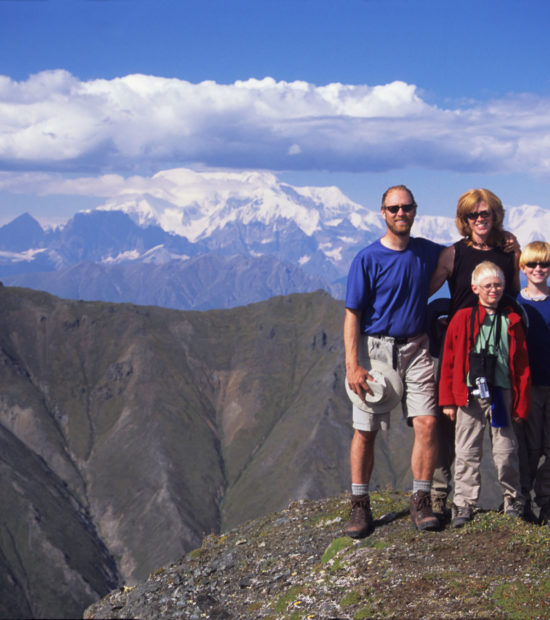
(53, 121)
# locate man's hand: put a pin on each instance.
(357, 380)
(450, 412)
(356, 375)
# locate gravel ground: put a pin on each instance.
(297, 564)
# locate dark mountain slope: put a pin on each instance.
(51, 559)
(166, 424)
(104, 397)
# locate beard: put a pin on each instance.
(401, 228)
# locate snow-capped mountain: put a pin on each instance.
(253, 213)
(529, 223)
(197, 204)
(180, 215)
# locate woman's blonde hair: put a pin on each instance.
(487, 269)
(467, 204)
(536, 251)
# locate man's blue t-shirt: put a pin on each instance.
(392, 287)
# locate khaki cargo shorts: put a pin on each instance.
(413, 362)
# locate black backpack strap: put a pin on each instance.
(498, 332)
(517, 307)
(472, 321)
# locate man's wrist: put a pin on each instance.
(352, 366)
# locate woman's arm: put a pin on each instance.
(444, 268)
(511, 245)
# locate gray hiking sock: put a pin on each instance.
(359, 489)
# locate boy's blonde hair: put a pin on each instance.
(487, 269)
(536, 251)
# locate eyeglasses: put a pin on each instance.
(541, 264)
(482, 214)
(394, 209)
(496, 285)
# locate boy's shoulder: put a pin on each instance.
(462, 315)
(460, 322)
(515, 312)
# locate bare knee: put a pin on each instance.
(425, 427)
(364, 438)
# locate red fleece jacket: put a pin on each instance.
(455, 365)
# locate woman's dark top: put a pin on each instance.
(467, 258)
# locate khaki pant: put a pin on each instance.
(470, 426)
(414, 364)
(537, 438)
(443, 477)
(441, 485)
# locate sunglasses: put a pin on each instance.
(393, 209)
(541, 264)
(482, 214)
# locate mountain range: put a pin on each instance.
(202, 240)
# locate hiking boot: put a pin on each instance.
(360, 522)
(528, 514)
(439, 508)
(544, 518)
(514, 508)
(422, 516)
(460, 515)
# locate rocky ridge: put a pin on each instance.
(296, 564)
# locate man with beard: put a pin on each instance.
(385, 322)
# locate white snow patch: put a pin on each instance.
(335, 254)
(123, 257)
(21, 257)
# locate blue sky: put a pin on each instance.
(362, 94)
